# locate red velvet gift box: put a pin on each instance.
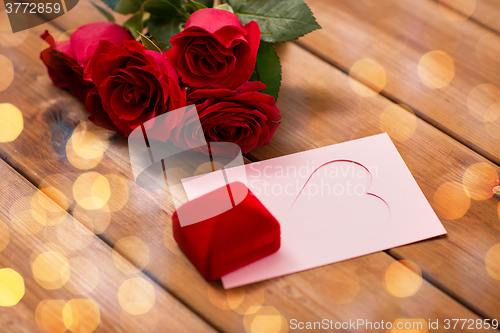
(227, 241)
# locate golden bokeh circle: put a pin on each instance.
(49, 317)
(461, 9)
(367, 77)
(89, 144)
(487, 51)
(136, 296)
(484, 102)
(92, 190)
(11, 122)
(81, 315)
(403, 278)
(340, 286)
(492, 261)
(84, 276)
(480, 180)
(57, 196)
(436, 69)
(265, 319)
(134, 251)
(399, 122)
(12, 287)
(44, 206)
(51, 269)
(4, 235)
(7, 73)
(451, 200)
(59, 188)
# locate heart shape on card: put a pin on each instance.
(352, 207)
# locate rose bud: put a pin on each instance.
(65, 60)
(215, 50)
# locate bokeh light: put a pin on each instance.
(7, 73)
(4, 235)
(136, 296)
(403, 278)
(339, 285)
(12, 287)
(59, 188)
(225, 299)
(88, 141)
(134, 251)
(399, 122)
(51, 269)
(84, 276)
(11, 122)
(451, 200)
(45, 206)
(49, 317)
(492, 261)
(265, 319)
(484, 102)
(91, 190)
(367, 77)
(487, 51)
(480, 180)
(436, 69)
(461, 9)
(81, 315)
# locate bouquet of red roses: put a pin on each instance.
(173, 53)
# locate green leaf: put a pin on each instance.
(165, 27)
(134, 24)
(124, 6)
(225, 6)
(149, 44)
(165, 7)
(279, 21)
(194, 5)
(104, 12)
(206, 3)
(268, 69)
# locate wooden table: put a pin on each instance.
(427, 73)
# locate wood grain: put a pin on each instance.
(397, 35)
(101, 286)
(146, 215)
(483, 11)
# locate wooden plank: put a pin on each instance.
(411, 49)
(68, 272)
(308, 296)
(483, 11)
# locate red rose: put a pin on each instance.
(243, 116)
(133, 85)
(215, 50)
(65, 60)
